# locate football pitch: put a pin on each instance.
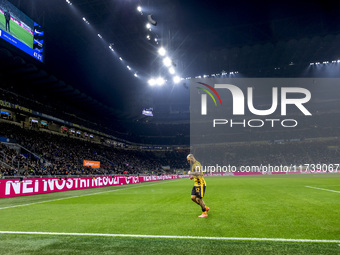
(281, 214)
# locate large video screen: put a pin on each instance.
(21, 31)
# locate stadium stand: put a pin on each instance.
(40, 153)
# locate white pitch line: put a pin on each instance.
(176, 237)
(336, 191)
(80, 195)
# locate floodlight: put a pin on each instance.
(160, 81)
(171, 70)
(152, 82)
(167, 61)
(161, 51)
(176, 79)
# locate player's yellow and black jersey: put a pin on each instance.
(199, 180)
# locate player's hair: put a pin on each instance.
(191, 156)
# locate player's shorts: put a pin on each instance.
(198, 191)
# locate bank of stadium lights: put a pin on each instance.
(128, 67)
(156, 81)
(162, 52)
(100, 36)
(324, 62)
(223, 73)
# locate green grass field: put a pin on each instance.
(17, 31)
(278, 207)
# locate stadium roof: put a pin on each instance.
(201, 37)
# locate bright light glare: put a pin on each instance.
(139, 8)
(162, 51)
(160, 81)
(176, 79)
(167, 61)
(148, 25)
(171, 70)
(152, 82)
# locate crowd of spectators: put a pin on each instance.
(55, 154)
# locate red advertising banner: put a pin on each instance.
(15, 188)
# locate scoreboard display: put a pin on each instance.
(20, 30)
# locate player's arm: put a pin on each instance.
(197, 171)
(194, 173)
